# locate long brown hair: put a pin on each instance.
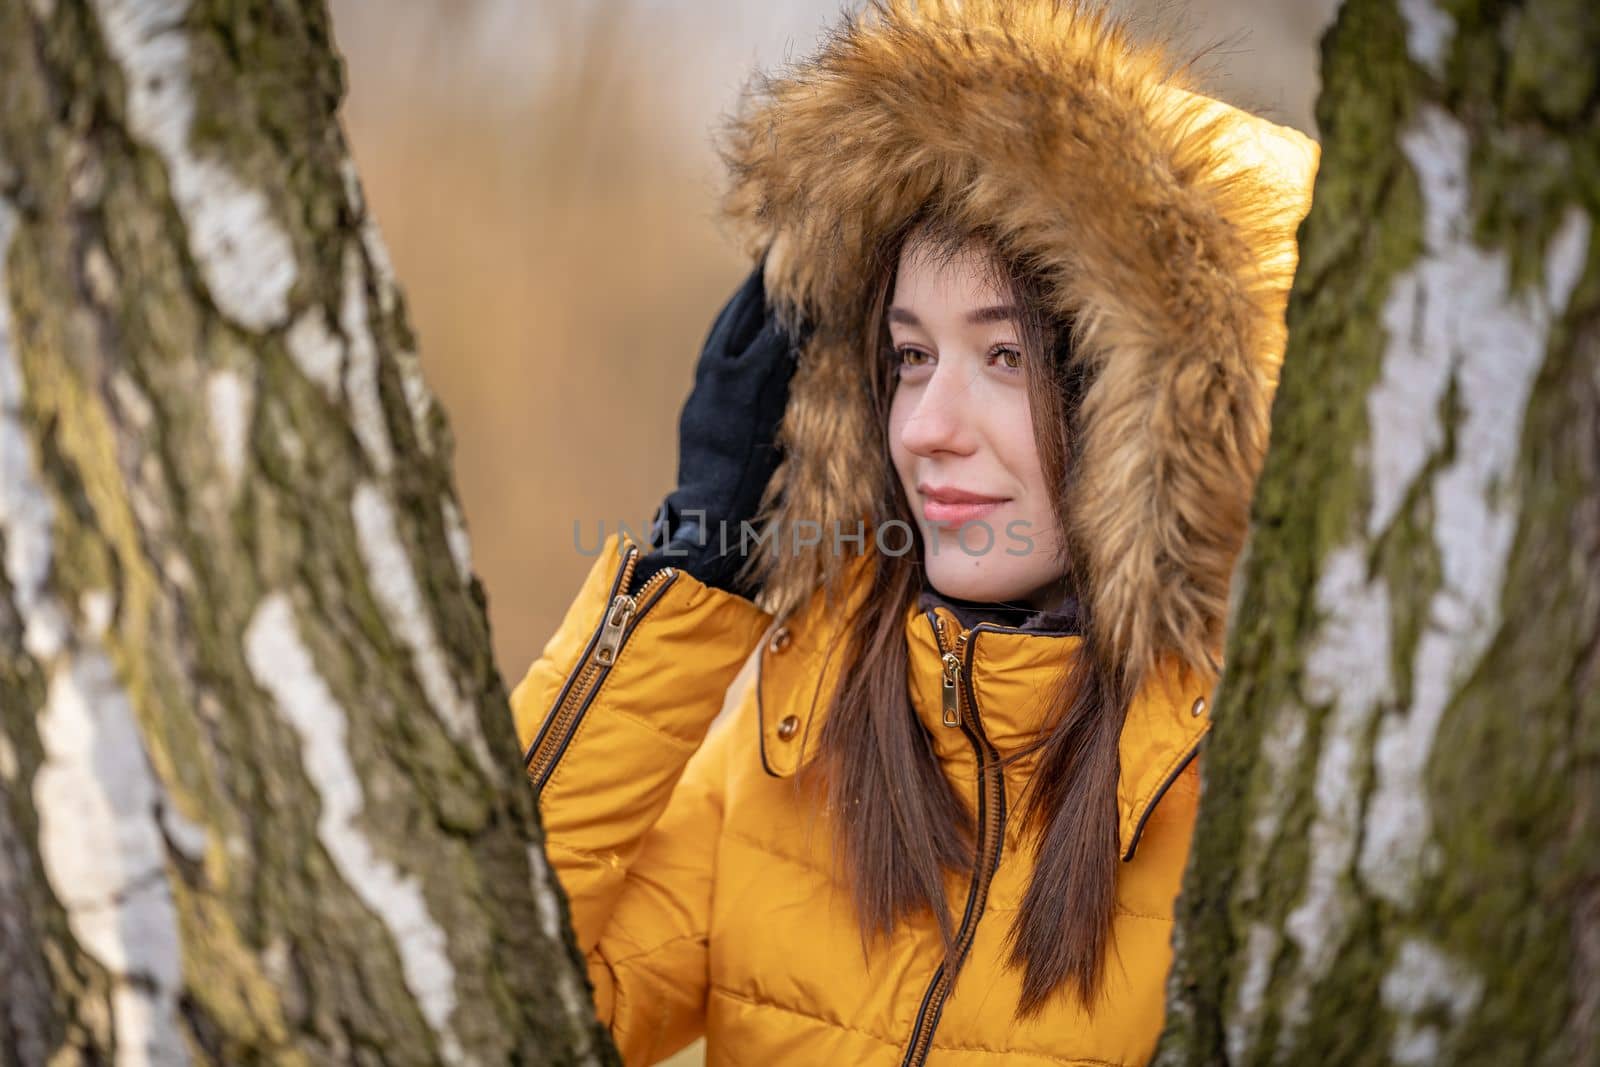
(900, 825)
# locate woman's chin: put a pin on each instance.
(975, 583)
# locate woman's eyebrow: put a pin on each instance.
(997, 313)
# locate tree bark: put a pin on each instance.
(1398, 853)
(260, 798)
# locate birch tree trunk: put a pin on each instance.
(1398, 856)
(260, 798)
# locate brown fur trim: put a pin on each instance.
(1164, 219)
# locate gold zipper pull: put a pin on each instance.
(952, 690)
(617, 616)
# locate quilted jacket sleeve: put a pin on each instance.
(611, 717)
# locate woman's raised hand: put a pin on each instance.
(726, 441)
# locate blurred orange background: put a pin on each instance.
(544, 175)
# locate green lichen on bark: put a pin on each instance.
(1551, 71)
(1508, 786)
(1362, 230)
(1510, 782)
(58, 998)
(120, 343)
(1514, 786)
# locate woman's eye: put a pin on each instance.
(1010, 358)
(911, 357)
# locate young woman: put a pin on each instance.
(994, 397)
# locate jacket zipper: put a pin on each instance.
(956, 685)
(621, 618)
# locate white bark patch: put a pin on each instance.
(95, 608)
(1453, 318)
(1418, 320)
(419, 398)
(317, 351)
(25, 514)
(96, 797)
(1409, 384)
(1426, 981)
(1346, 667)
(394, 584)
(1429, 33)
(46, 630)
(574, 998)
(544, 900)
(1564, 260)
(100, 276)
(371, 239)
(183, 833)
(455, 530)
(1244, 1022)
(100, 843)
(132, 403)
(101, 848)
(245, 257)
(361, 367)
(1282, 744)
(229, 398)
(282, 665)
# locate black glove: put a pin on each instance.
(726, 449)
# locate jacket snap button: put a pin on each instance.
(780, 639)
(787, 727)
(1199, 706)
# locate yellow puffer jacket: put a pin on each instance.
(706, 896)
(704, 886)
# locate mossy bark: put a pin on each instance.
(260, 798)
(1398, 852)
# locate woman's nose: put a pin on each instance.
(942, 419)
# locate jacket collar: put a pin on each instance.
(1065, 618)
(1012, 669)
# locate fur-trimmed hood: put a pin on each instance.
(1165, 222)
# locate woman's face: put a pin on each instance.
(961, 433)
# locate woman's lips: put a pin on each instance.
(954, 514)
(953, 507)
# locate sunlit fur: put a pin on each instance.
(1163, 220)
